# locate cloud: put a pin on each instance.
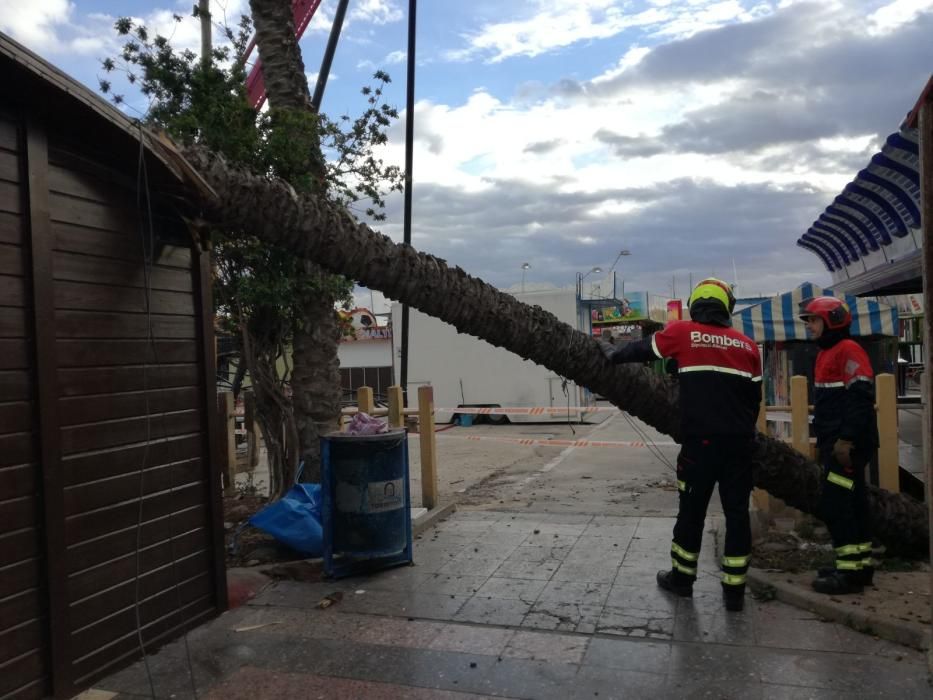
(800, 74)
(36, 23)
(749, 124)
(555, 25)
(677, 229)
(890, 17)
(543, 146)
(691, 151)
(552, 26)
(630, 146)
(377, 12)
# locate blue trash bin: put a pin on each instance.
(365, 503)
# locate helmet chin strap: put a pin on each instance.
(711, 312)
(831, 336)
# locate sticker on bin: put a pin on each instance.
(373, 497)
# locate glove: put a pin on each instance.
(842, 451)
(609, 350)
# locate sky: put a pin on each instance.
(703, 136)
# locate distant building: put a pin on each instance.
(365, 352)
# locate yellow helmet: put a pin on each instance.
(716, 290)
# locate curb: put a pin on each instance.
(907, 633)
(430, 519)
(772, 585)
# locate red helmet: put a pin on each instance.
(834, 312)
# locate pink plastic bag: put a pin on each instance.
(365, 424)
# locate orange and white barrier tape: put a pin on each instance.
(527, 410)
(530, 442)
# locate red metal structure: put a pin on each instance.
(303, 11)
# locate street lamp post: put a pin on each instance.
(525, 267)
(622, 253)
(582, 276)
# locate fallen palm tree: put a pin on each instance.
(313, 228)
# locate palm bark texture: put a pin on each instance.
(314, 228)
(316, 390)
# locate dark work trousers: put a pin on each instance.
(701, 464)
(844, 508)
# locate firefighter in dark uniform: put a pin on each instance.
(719, 371)
(846, 436)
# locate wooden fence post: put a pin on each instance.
(888, 458)
(760, 496)
(799, 415)
(252, 430)
(227, 423)
(364, 399)
(428, 447)
(396, 407)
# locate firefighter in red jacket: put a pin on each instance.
(719, 371)
(846, 437)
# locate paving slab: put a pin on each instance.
(552, 599)
(414, 633)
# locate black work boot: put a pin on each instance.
(839, 583)
(676, 583)
(734, 600)
(866, 575)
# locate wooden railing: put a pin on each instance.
(885, 408)
(397, 416)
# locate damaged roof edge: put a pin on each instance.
(913, 117)
(80, 93)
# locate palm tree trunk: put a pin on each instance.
(316, 389)
(313, 228)
(283, 71)
(315, 380)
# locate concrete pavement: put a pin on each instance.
(526, 606)
(551, 595)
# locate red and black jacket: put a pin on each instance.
(844, 396)
(719, 370)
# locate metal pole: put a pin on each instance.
(926, 223)
(328, 56)
(409, 148)
(204, 14)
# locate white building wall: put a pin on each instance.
(365, 353)
(465, 369)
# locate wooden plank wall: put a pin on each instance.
(106, 378)
(24, 663)
(133, 421)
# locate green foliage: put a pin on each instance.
(352, 142)
(265, 287)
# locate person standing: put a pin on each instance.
(846, 436)
(719, 371)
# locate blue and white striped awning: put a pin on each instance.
(776, 319)
(880, 205)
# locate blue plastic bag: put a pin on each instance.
(295, 519)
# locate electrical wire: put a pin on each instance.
(564, 381)
(145, 458)
(649, 442)
(158, 364)
(148, 262)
